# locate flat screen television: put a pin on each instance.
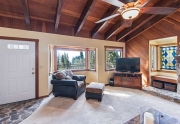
(128, 64)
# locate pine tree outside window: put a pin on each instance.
(111, 53)
(74, 58)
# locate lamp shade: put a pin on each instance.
(130, 13)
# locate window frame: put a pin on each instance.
(73, 48)
(111, 47)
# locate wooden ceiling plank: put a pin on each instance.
(86, 11)
(172, 20)
(146, 26)
(143, 20)
(58, 15)
(137, 24)
(112, 10)
(26, 14)
(113, 29)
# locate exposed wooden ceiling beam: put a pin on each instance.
(143, 19)
(113, 29)
(145, 26)
(137, 24)
(58, 14)
(112, 10)
(26, 13)
(86, 11)
(174, 21)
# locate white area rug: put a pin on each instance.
(117, 106)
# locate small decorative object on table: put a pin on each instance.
(149, 116)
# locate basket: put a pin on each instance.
(158, 84)
(170, 87)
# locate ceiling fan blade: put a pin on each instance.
(128, 23)
(114, 2)
(107, 18)
(157, 10)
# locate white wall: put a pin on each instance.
(45, 39)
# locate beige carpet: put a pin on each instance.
(118, 106)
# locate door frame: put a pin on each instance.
(36, 59)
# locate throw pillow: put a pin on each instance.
(70, 73)
(68, 77)
(60, 75)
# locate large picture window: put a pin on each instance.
(75, 58)
(111, 53)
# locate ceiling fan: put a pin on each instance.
(131, 8)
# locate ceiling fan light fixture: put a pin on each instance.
(130, 13)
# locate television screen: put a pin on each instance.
(128, 64)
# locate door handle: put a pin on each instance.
(32, 72)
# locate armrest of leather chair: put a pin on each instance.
(65, 82)
(79, 77)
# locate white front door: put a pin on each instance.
(17, 71)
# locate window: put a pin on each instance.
(153, 57)
(111, 54)
(162, 57)
(92, 59)
(167, 57)
(75, 58)
(17, 46)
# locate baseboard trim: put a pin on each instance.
(43, 97)
(40, 97)
(50, 93)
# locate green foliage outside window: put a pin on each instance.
(111, 55)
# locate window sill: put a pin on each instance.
(166, 71)
(83, 70)
(111, 70)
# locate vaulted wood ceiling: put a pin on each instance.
(78, 17)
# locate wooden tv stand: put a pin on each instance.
(126, 79)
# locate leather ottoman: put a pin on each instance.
(95, 91)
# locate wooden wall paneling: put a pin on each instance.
(64, 30)
(150, 34)
(36, 26)
(12, 23)
(43, 27)
(49, 27)
(140, 42)
(164, 30)
(99, 36)
(84, 33)
(113, 38)
(175, 29)
(139, 47)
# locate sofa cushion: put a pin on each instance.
(80, 84)
(60, 75)
(69, 72)
(68, 77)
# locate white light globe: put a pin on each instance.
(130, 13)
